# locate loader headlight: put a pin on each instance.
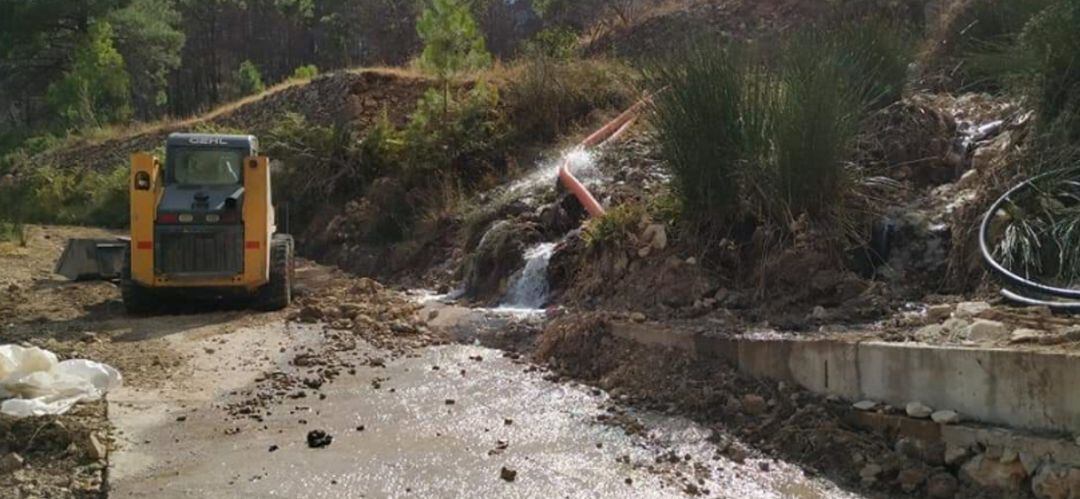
(186, 218)
(213, 218)
(142, 181)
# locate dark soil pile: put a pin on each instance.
(749, 415)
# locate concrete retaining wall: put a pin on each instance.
(1021, 389)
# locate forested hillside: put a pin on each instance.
(68, 66)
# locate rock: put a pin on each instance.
(941, 486)
(638, 317)
(508, 474)
(1056, 482)
(1025, 335)
(317, 439)
(497, 256)
(911, 478)
(918, 410)
(655, 237)
(931, 333)
(987, 472)
(94, 448)
(819, 313)
(938, 313)
(865, 405)
(753, 404)
(987, 331)
(10, 463)
(955, 325)
(945, 417)
(956, 454)
(1030, 462)
(870, 472)
(910, 447)
(970, 309)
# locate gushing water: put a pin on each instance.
(581, 162)
(529, 288)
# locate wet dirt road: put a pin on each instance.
(441, 422)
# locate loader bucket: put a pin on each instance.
(92, 259)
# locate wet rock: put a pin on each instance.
(988, 472)
(941, 486)
(945, 417)
(317, 439)
(911, 479)
(938, 313)
(918, 410)
(1056, 482)
(970, 309)
(499, 254)
(987, 331)
(508, 474)
(753, 404)
(865, 405)
(10, 463)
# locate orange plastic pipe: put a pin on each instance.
(611, 131)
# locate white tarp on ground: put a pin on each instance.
(34, 383)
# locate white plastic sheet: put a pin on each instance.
(34, 383)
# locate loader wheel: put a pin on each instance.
(137, 299)
(277, 294)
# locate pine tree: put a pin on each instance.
(96, 90)
(453, 42)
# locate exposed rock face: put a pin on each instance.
(499, 254)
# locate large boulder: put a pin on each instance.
(499, 254)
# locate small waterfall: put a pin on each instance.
(529, 288)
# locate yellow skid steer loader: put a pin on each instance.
(202, 225)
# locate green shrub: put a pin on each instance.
(616, 226)
(547, 95)
(559, 43)
(51, 195)
(248, 79)
(305, 72)
(769, 138)
(1052, 42)
(979, 38)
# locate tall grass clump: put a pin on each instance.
(973, 37)
(768, 138)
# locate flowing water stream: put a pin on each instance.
(529, 287)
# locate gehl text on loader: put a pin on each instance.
(202, 226)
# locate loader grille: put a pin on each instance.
(199, 251)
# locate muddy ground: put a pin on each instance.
(226, 402)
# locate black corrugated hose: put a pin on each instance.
(1032, 292)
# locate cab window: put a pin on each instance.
(206, 167)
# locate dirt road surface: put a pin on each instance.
(222, 403)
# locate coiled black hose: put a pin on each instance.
(1013, 279)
